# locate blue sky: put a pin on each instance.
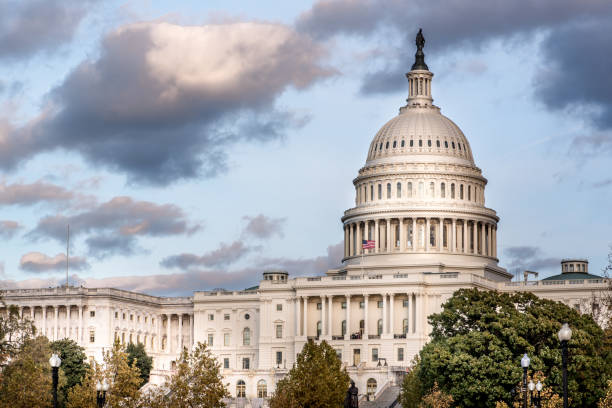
(192, 146)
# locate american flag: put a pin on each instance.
(368, 244)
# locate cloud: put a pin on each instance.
(29, 194)
(8, 228)
(264, 227)
(30, 26)
(38, 262)
(603, 183)
(222, 256)
(112, 227)
(521, 258)
(470, 23)
(307, 266)
(165, 102)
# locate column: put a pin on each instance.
(330, 328)
(366, 235)
(365, 317)
(464, 237)
(191, 333)
(180, 332)
(20, 312)
(388, 234)
(402, 234)
(322, 316)
(495, 241)
(418, 311)
(427, 230)
(296, 305)
(453, 240)
(358, 246)
(483, 237)
(346, 241)
(489, 240)
(32, 313)
(158, 331)
(168, 341)
(384, 330)
(55, 324)
(414, 234)
(475, 236)
(80, 333)
(347, 336)
(391, 315)
(305, 321)
(441, 235)
(68, 321)
(352, 240)
(376, 238)
(44, 322)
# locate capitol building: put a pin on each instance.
(418, 231)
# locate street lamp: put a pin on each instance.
(55, 362)
(525, 364)
(101, 388)
(565, 334)
(531, 387)
(539, 398)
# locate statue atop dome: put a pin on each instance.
(419, 57)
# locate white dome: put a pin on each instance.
(417, 134)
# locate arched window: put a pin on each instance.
(421, 187)
(361, 326)
(446, 144)
(420, 142)
(443, 190)
(394, 144)
(403, 143)
(437, 143)
(459, 146)
(343, 328)
(432, 235)
(388, 191)
(405, 326)
(399, 190)
(365, 193)
(469, 193)
(461, 192)
(262, 389)
(453, 190)
(379, 327)
(444, 236)
(371, 193)
(319, 328)
(246, 337)
(429, 142)
(432, 190)
(453, 144)
(371, 388)
(409, 190)
(380, 191)
(387, 145)
(411, 143)
(240, 389)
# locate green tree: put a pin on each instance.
(436, 399)
(124, 379)
(137, 353)
(317, 380)
(73, 365)
(479, 337)
(14, 331)
(83, 394)
(411, 390)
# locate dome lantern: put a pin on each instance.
(419, 77)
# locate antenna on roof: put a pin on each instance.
(67, 252)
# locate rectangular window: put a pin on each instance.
(461, 192)
(226, 339)
(361, 304)
(279, 307)
(138, 319)
(124, 316)
(379, 304)
(319, 306)
(343, 305)
(146, 319)
(211, 339)
(131, 318)
(226, 316)
(339, 354)
(92, 313)
(211, 317)
(406, 303)
(443, 190)
(400, 354)
(116, 315)
(226, 362)
(92, 336)
(374, 354)
(453, 190)
(279, 358)
(246, 363)
(279, 331)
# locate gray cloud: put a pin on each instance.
(603, 183)
(164, 102)
(225, 255)
(33, 193)
(307, 266)
(31, 26)
(114, 226)
(38, 262)
(263, 227)
(8, 228)
(521, 258)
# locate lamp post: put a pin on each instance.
(101, 388)
(531, 387)
(539, 397)
(565, 334)
(55, 362)
(525, 364)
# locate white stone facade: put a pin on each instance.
(419, 197)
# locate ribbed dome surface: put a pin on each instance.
(420, 131)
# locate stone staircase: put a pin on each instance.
(387, 399)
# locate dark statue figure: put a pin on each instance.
(352, 397)
(419, 57)
(420, 40)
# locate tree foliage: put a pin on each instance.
(124, 379)
(83, 395)
(14, 331)
(479, 337)
(411, 391)
(137, 353)
(436, 399)
(606, 401)
(73, 364)
(316, 381)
